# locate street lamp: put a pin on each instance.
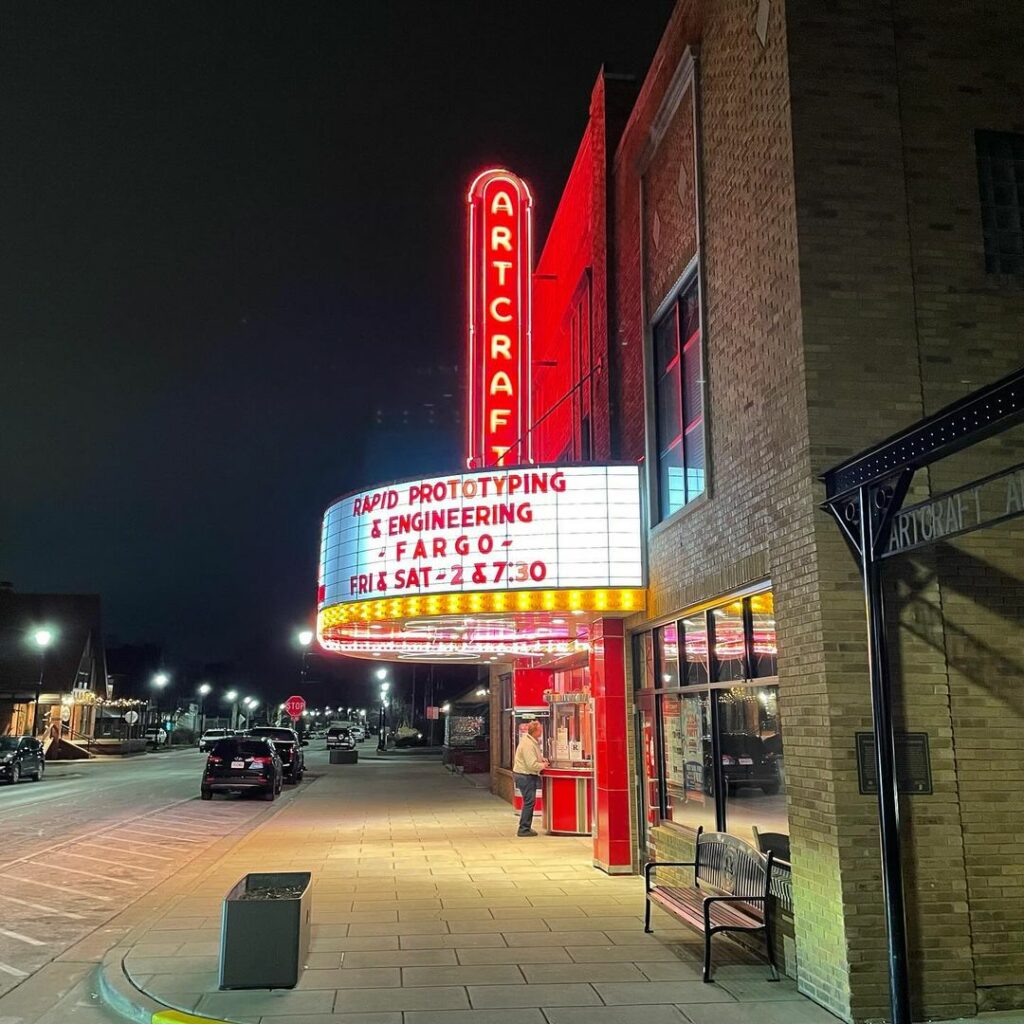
(384, 687)
(232, 698)
(42, 638)
(204, 689)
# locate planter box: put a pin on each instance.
(344, 757)
(264, 940)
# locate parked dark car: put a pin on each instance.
(211, 736)
(747, 760)
(289, 748)
(240, 763)
(21, 757)
(339, 737)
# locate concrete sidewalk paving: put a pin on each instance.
(427, 908)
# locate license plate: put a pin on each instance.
(237, 764)
(746, 760)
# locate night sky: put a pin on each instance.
(228, 230)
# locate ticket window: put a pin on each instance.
(571, 734)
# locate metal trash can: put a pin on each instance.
(344, 757)
(264, 933)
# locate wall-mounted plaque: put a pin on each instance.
(913, 763)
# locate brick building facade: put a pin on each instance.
(799, 236)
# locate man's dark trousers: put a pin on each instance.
(528, 786)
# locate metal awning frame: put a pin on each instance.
(863, 494)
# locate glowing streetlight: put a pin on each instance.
(42, 638)
(382, 673)
(305, 637)
(231, 696)
(161, 679)
(204, 689)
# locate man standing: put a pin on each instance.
(526, 768)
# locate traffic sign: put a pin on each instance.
(295, 706)
(431, 711)
(131, 717)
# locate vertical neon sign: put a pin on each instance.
(500, 312)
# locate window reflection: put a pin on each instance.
(695, 640)
(668, 656)
(730, 646)
(763, 645)
(752, 762)
(688, 772)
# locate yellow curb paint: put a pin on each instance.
(177, 1017)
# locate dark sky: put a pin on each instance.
(227, 229)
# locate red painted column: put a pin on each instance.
(613, 847)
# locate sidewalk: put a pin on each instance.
(426, 910)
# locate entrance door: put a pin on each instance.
(648, 777)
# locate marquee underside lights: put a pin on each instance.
(463, 633)
(500, 263)
(624, 601)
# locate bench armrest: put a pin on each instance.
(652, 864)
(708, 900)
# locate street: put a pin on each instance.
(91, 838)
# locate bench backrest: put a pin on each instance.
(732, 866)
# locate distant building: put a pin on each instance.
(419, 430)
(67, 678)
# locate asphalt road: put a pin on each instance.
(91, 838)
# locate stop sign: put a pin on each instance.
(295, 706)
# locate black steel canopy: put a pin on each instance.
(865, 494)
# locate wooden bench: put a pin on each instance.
(730, 892)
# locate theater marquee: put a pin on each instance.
(529, 539)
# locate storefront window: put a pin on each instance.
(507, 724)
(716, 655)
(688, 774)
(695, 640)
(645, 661)
(730, 642)
(764, 659)
(750, 741)
(668, 656)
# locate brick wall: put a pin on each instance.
(899, 318)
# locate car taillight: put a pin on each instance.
(213, 759)
(728, 759)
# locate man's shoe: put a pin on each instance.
(528, 832)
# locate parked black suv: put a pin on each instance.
(21, 757)
(289, 747)
(242, 763)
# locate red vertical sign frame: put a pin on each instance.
(500, 262)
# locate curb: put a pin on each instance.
(118, 994)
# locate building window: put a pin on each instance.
(687, 770)
(668, 656)
(679, 403)
(1000, 157)
(714, 688)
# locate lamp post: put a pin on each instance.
(159, 682)
(304, 637)
(232, 698)
(204, 689)
(42, 638)
(382, 743)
